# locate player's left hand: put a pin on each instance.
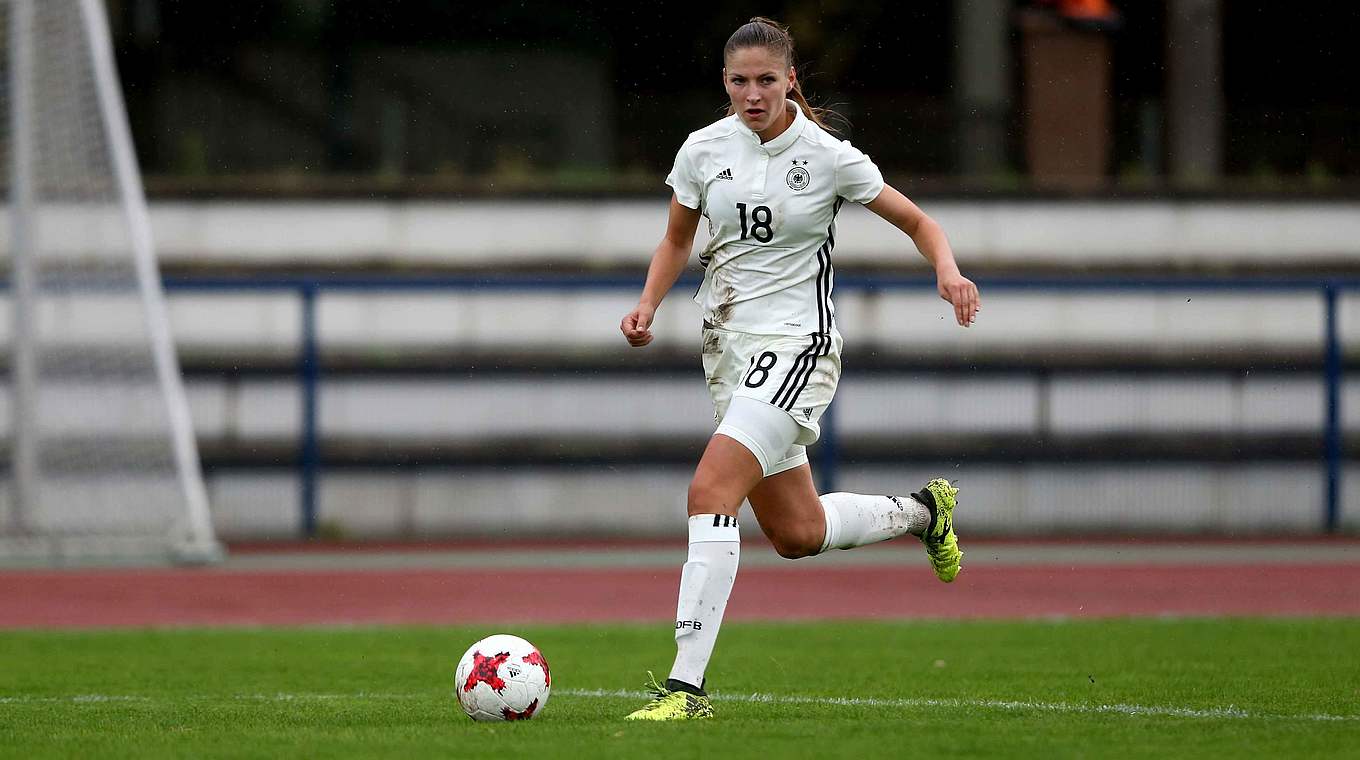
(963, 294)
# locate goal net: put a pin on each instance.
(101, 464)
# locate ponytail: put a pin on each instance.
(775, 37)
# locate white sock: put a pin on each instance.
(854, 519)
(705, 584)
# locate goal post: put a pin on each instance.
(102, 462)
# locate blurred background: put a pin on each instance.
(356, 97)
(398, 239)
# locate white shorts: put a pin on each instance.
(797, 373)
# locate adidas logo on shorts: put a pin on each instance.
(724, 174)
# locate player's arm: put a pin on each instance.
(930, 240)
(668, 261)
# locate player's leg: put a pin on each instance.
(737, 457)
(789, 512)
(800, 523)
(786, 504)
(726, 472)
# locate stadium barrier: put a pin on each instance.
(308, 288)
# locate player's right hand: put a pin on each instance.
(635, 325)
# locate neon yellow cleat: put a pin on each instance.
(942, 545)
(671, 704)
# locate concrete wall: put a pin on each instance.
(589, 233)
(462, 410)
(1177, 322)
(1023, 499)
(592, 233)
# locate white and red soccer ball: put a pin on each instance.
(503, 677)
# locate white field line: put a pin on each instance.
(81, 699)
(78, 699)
(982, 704)
(1001, 705)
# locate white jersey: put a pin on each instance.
(771, 211)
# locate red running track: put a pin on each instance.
(217, 597)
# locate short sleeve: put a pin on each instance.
(858, 180)
(688, 191)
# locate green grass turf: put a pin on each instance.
(1013, 689)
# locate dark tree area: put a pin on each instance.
(603, 93)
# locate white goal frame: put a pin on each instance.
(192, 541)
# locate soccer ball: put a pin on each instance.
(503, 677)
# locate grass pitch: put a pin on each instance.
(1142, 688)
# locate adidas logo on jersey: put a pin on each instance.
(724, 174)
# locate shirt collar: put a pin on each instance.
(784, 140)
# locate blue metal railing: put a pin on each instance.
(308, 288)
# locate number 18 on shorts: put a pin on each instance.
(797, 373)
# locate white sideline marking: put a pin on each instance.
(985, 704)
(78, 699)
(1005, 705)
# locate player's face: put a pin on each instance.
(757, 83)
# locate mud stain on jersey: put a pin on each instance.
(723, 311)
(712, 345)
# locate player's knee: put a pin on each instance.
(706, 498)
(797, 542)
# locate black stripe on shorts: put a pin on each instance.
(794, 371)
(821, 346)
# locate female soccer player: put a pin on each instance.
(770, 179)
